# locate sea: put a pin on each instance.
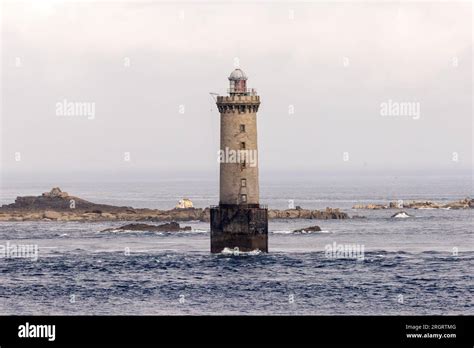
(374, 265)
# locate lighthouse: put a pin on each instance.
(239, 221)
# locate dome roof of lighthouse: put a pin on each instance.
(237, 74)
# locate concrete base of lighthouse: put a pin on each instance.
(237, 226)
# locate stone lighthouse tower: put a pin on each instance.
(239, 221)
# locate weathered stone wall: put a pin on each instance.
(237, 111)
(237, 227)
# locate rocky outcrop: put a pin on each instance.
(461, 204)
(58, 201)
(51, 215)
(168, 227)
(60, 206)
(370, 206)
(327, 214)
(57, 205)
(55, 192)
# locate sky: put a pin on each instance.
(346, 87)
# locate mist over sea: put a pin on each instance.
(417, 265)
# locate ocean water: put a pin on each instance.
(418, 265)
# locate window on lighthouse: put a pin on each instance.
(242, 128)
(243, 182)
(242, 145)
(243, 198)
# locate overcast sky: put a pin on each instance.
(148, 68)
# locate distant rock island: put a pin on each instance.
(461, 204)
(168, 227)
(57, 205)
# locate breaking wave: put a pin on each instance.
(237, 252)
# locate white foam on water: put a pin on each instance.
(282, 232)
(113, 231)
(237, 252)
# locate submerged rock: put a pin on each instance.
(309, 229)
(168, 227)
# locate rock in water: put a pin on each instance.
(462, 204)
(169, 227)
(400, 215)
(52, 215)
(309, 229)
(55, 192)
(370, 206)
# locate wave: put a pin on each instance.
(401, 215)
(198, 231)
(62, 235)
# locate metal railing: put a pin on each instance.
(246, 91)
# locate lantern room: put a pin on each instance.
(238, 82)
